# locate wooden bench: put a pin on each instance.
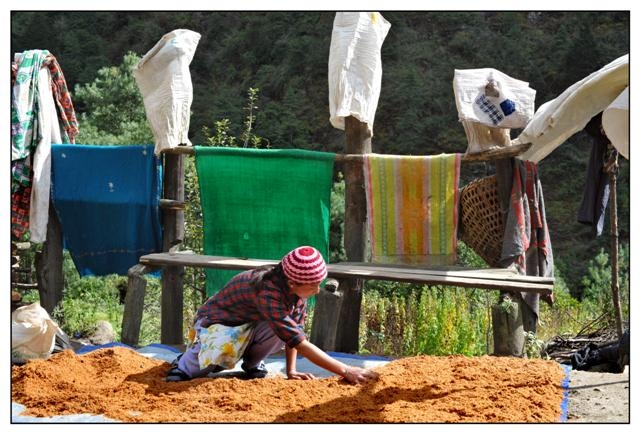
(485, 278)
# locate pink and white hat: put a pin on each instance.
(304, 265)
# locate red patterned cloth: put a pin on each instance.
(62, 97)
(20, 201)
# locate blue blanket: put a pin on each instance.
(107, 198)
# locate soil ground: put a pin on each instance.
(599, 397)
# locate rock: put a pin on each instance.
(103, 333)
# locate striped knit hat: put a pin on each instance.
(304, 265)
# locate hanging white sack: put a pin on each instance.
(492, 98)
(33, 332)
(355, 66)
(615, 121)
(164, 80)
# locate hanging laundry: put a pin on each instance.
(412, 208)
(526, 243)
(49, 132)
(107, 201)
(595, 196)
(262, 203)
(41, 113)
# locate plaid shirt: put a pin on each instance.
(248, 298)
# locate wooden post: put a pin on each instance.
(48, 262)
(613, 216)
(508, 333)
(326, 315)
(172, 276)
(358, 141)
(134, 304)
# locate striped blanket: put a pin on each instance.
(412, 207)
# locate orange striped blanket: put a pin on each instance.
(412, 208)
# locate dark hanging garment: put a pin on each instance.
(596, 192)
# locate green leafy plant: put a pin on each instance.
(111, 110)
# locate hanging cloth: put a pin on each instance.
(262, 203)
(412, 207)
(595, 196)
(49, 132)
(526, 243)
(41, 113)
(107, 201)
(24, 134)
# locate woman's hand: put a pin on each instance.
(295, 375)
(356, 375)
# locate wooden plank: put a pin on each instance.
(204, 261)
(452, 271)
(475, 278)
(434, 279)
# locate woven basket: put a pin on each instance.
(481, 219)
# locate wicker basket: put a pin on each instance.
(481, 219)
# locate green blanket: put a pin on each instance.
(262, 203)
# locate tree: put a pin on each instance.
(111, 107)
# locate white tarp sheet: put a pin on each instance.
(557, 120)
(615, 121)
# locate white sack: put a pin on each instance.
(615, 121)
(33, 332)
(557, 120)
(505, 103)
(164, 80)
(355, 66)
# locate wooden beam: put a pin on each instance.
(358, 141)
(171, 204)
(499, 274)
(490, 155)
(48, 263)
(203, 261)
(489, 278)
(171, 316)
